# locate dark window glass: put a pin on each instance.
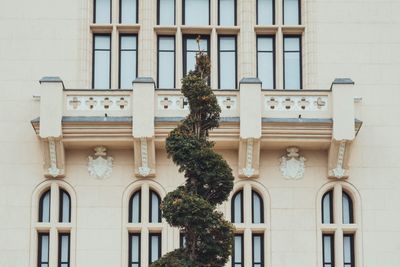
(237, 207)
(265, 12)
(64, 250)
(291, 12)
(238, 251)
(190, 48)
(102, 11)
(266, 61)
(134, 250)
(257, 208)
(347, 207)
(348, 251)
(166, 12)
(44, 207)
(135, 207)
(154, 247)
(196, 12)
(155, 212)
(127, 60)
(327, 207)
(292, 62)
(166, 62)
(128, 11)
(328, 250)
(227, 12)
(227, 62)
(182, 240)
(43, 250)
(258, 250)
(65, 207)
(101, 61)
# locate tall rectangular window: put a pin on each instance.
(227, 12)
(64, 250)
(196, 12)
(102, 11)
(128, 11)
(134, 250)
(291, 12)
(227, 62)
(266, 61)
(238, 251)
(292, 62)
(265, 12)
(190, 48)
(166, 12)
(258, 250)
(182, 240)
(166, 62)
(328, 253)
(43, 250)
(154, 247)
(101, 61)
(127, 60)
(348, 250)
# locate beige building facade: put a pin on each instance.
(310, 125)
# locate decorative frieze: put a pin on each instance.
(97, 103)
(296, 103)
(100, 165)
(178, 103)
(292, 164)
(249, 154)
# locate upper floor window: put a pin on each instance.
(196, 12)
(347, 208)
(101, 61)
(102, 11)
(44, 207)
(291, 12)
(155, 211)
(257, 211)
(127, 60)
(237, 208)
(265, 12)
(135, 207)
(166, 62)
(227, 12)
(190, 48)
(327, 207)
(227, 57)
(166, 12)
(266, 61)
(292, 62)
(128, 11)
(65, 207)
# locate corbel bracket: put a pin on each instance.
(249, 157)
(338, 159)
(54, 157)
(145, 162)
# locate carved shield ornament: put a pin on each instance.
(100, 165)
(292, 164)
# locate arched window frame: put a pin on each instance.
(248, 229)
(238, 193)
(338, 230)
(130, 216)
(54, 229)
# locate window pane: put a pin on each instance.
(166, 12)
(238, 250)
(266, 69)
(265, 44)
(128, 58)
(166, 64)
(327, 208)
(44, 209)
(265, 15)
(135, 208)
(182, 240)
(327, 249)
(292, 44)
(227, 64)
(192, 47)
(102, 62)
(227, 12)
(155, 208)
(102, 11)
(128, 11)
(291, 12)
(65, 206)
(44, 240)
(347, 209)
(258, 254)
(155, 247)
(64, 249)
(135, 249)
(257, 208)
(192, 10)
(292, 63)
(237, 208)
(348, 248)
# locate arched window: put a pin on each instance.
(135, 207)
(327, 207)
(44, 207)
(65, 207)
(347, 208)
(237, 208)
(154, 212)
(257, 208)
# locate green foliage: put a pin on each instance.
(209, 179)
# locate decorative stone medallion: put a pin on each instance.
(292, 164)
(100, 165)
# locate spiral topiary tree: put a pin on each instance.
(209, 179)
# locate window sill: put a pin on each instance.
(162, 29)
(295, 29)
(272, 29)
(101, 28)
(128, 28)
(196, 29)
(227, 29)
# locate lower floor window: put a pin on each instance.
(258, 250)
(43, 253)
(348, 250)
(134, 250)
(328, 250)
(154, 247)
(64, 250)
(237, 256)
